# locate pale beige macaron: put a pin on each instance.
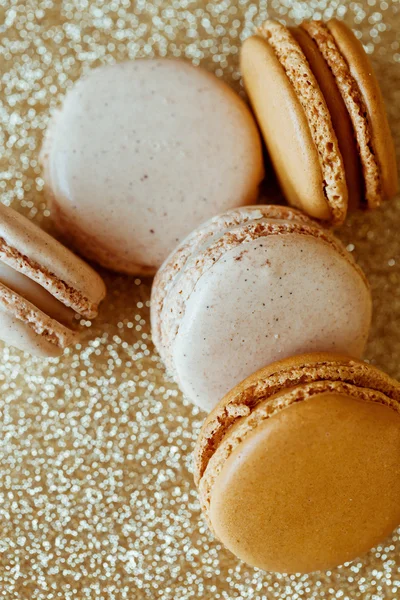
(322, 115)
(251, 286)
(42, 287)
(298, 467)
(142, 152)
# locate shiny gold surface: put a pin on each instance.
(96, 492)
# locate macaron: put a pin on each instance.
(42, 287)
(298, 467)
(321, 112)
(142, 152)
(249, 287)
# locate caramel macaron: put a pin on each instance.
(298, 467)
(142, 152)
(322, 116)
(249, 287)
(42, 287)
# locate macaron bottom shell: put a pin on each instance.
(19, 333)
(31, 319)
(36, 294)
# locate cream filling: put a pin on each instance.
(36, 295)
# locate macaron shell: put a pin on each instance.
(25, 326)
(297, 295)
(362, 71)
(143, 151)
(339, 115)
(31, 251)
(174, 266)
(36, 295)
(269, 406)
(314, 486)
(19, 334)
(275, 102)
(90, 246)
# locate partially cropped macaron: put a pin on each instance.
(249, 287)
(298, 467)
(142, 152)
(42, 287)
(321, 112)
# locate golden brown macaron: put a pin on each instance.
(298, 467)
(322, 116)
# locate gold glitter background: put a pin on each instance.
(96, 492)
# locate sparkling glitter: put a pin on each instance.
(96, 492)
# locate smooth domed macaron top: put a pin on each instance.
(314, 486)
(275, 103)
(292, 463)
(283, 293)
(197, 241)
(143, 151)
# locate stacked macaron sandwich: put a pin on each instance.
(260, 314)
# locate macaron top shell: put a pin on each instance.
(282, 375)
(310, 447)
(142, 152)
(313, 104)
(274, 101)
(257, 288)
(201, 237)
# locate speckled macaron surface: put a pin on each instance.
(250, 287)
(322, 115)
(42, 287)
(142, 152)
(298, 467)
